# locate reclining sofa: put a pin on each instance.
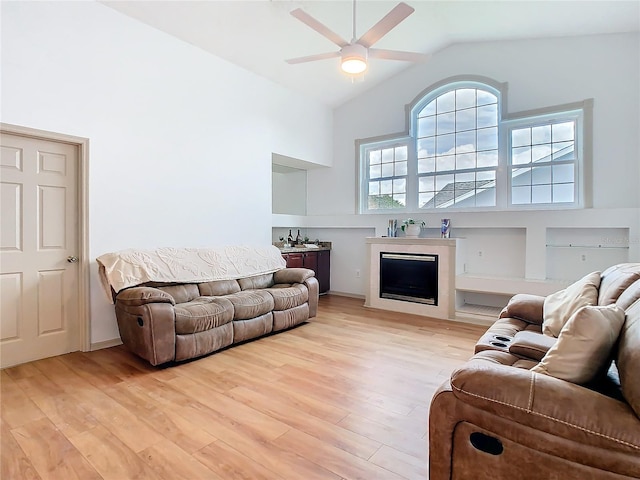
(164, 321)
(510, 412)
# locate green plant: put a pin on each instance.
(411, 221)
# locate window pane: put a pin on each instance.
(486, 197)
(446, 123)
(426, 126)
(445, 163)
(387, 155)
(520, 155)
(465, 197)
(541, 134)
(540, 176)
(375, 171)
(483, 178)
(374, 188)
(541, 153)
(563, 151)
(427, 165)
(563, 131)
(426, 184)
(400, 199)
(488, 138)
(466, 119)
(467, 160)
(387, 169)
(488, 158)
(465, 98)
(399, 185)
(444, 182)
(401, 153)
(563, 193)
(386, 187)
(521, 195)
(429, 109)
(374, 156)
(426, 147)
(446, 102)
(521, 137)
(562, 173)
(401, 169)
(445, 144)
(484, 98)
(377, 202)
(521, 176)
(466, 142)
(426, 199)
(467, 177)
(487, 116)
(541, 194)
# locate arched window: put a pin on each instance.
(463, 151)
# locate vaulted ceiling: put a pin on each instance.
(260, 35)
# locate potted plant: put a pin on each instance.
(412, 227)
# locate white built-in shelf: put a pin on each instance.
(480, 314)
(507, 285)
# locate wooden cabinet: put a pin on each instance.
(319, 262)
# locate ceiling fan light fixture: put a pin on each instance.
(354, 59)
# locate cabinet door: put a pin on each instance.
(323, 273)
(294, 260)
(310, 261)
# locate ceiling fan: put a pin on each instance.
(354, 54)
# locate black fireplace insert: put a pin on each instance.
(410, 277)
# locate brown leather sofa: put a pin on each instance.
(496, 419)
(174, 322)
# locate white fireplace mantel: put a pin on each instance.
(445, 248)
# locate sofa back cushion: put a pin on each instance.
(628, 359)
(259, 281)
(218, 288)
(184, 292)
(615, 280)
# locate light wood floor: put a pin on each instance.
(345, 396)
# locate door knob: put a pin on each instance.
(72, 259)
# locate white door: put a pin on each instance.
(38, 249)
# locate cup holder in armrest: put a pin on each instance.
(503, 338)
(498, 344)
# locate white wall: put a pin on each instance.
(540, 73)
(180, 140)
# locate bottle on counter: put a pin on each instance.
(298, 238)
(290, 238)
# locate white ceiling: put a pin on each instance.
(259, 35)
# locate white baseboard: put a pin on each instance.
(114, 342)
(345, 294)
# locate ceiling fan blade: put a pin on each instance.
(323, 30)
(398, 55)
(386, 24)
(313, 58)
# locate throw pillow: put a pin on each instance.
(583, 349)
(558, 307)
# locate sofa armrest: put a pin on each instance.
(548, 404)
(292, 275)
(525, 307)
(137, 296)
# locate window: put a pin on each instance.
(461, 153)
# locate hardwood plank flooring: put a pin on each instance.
(344, 396)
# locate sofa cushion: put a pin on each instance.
(203, 313)
(525, 307)
(252, 328)
(533, 345)
(628, 359)
(288, 297)
(219, 288)
(250, 303)
(560, 306)
(182, 293)
(583, 348)
(259, 281)
(616, 280)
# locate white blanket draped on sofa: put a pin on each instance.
(127, 268)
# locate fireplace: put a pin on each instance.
(433, 258)
(410, 277)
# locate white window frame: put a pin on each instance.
(581, 112)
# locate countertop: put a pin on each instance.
(321, 246)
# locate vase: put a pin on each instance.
(412, 230)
